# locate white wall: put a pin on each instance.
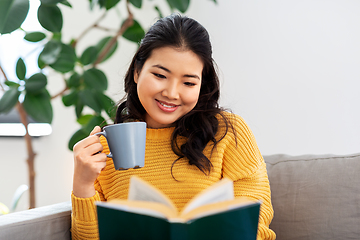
(289, 68)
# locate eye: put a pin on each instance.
(158, 75)
(190, 84)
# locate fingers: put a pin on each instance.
(85, 173)
(91, 139)
(94, 149)
(89, 161)
(100, 161)
(83, 153)
(88, 165)
(95, 130)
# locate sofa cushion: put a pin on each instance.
(49, 222)
(315, 196)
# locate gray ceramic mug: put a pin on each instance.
(126, 143)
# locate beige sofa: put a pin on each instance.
(315, 197)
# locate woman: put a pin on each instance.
(191, 142)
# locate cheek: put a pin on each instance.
(145, 87)
(191, 97)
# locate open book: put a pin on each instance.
(150, 214)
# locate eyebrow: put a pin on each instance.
(167, 70)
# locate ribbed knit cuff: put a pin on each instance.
(84, 209)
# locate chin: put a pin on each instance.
(165, 124)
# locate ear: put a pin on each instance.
(136, 76)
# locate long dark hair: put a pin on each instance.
(200, 125)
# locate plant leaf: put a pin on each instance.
(50, 2)
(79, 108)
(12, 14)
(3, 209)
(36, 83)
(93, 4)
(89, 55)
(51, 52)
(102, 44)
(158, 11)
(83, 132)
(50, 17)
(71, 98)
(181, 5)
(101, 3)
(108, 105)
(134, 33)
(40, 63)
(35, 36)
(94, 121)
(9, 100)
(76, 137)
(38, 106)
(20, 69)
(136, 3)
(57, 36)
(95, 79)
(66, 3)
(66, 60)
(17, 195)
(84, 119)
(88, 97)
(74, 80)
(111, 3)
(12, 84)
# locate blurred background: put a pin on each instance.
(290, 68)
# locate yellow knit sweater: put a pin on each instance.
(236, 158)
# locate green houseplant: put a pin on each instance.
(85, 84)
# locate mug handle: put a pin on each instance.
(104, 134)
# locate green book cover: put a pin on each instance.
(148, 213)
(239, 223)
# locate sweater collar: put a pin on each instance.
(159, 133)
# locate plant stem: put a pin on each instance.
(105, 28)
(89, 28)
(29, 147)
(128, 23)
(60, 93)
(3, 73)
(31, 155)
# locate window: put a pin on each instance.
(13, 46)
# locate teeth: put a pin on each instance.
(167, 105)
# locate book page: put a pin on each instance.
(214, 208)
(145, 208)
(140, 190)
(220, 191)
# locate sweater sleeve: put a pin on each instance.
(83, 219)
(243, 163)
(84, 223)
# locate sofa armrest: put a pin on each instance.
(315, 197)
(49, 222)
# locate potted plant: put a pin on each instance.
(85, 83)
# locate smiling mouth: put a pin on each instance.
(167, 107)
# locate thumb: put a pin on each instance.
(95, 130)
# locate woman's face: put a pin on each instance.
(168, 85)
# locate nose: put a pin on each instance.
(171, 90)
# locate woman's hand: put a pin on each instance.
(88, 163)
